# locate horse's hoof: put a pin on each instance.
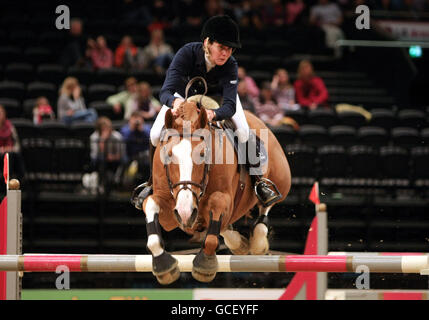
(168, 277)
(203, 277)
(260, 248)
(243, 249)
(204, 267)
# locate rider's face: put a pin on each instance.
(219, 53)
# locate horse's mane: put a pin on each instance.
(188, 111)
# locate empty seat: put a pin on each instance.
(299, 115)
(84, 75)
(384, 118)
(350, 118)
(342, 135)
(301, 159)
(12, 106)
(147, 75)
(82, 130)
(12, 89)
(113, 76)
(10, 54)
(70, 155)
(268, 62)
(333, 161)
(39, 89)
(260, 76)
(420, 161)
(424, 135)
(103, 109)
(394, 162)
(38, 55)
(405, 136)
(370, 135)
(53, 73)
(53, 129)
(22, 72)
(28, 106)
(100, 92)
(37, 155)
(285, 135)
(24, 127)
(313, 135)
(412, 118)
(244, 60)
(322, 117)
(364, 161)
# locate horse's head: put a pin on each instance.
(185, 149)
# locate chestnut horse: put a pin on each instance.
(195, 187)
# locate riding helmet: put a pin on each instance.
(222, 29)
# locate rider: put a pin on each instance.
(211, 59)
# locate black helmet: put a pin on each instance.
(222, 29)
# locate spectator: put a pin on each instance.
(136, 135)
(273, 13)
(252, 88)
(9, 143)
(267, 108)
(101, 56)
(144, 102)
(107, 152)
(283, 90)
(74, 51)
(126, 53)
(157, 54)
(71, 105)
(329, 17)
(121, 100)
(245, 99)
(294, 9)
(310, 90)
(42, 111)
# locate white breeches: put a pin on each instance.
(238, 118)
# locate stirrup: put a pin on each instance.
(140, 193)
(267, 202)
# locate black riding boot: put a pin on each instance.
(265, 190)
(142, 191)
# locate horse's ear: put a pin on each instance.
(169, 119)
(203, 118)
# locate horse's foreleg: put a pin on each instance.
(258, 239)
(164, 266)
(205, 263)
(236, 242)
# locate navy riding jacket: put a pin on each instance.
(189, 62)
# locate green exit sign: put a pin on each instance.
(415, 51)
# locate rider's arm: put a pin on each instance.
(229, 83)
(176, 76)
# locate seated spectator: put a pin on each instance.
(42, 111)
(144, 102)
(157, 54)
(136, 135)
(71, 105)
(101, 56)
(328, 16)
(9, 143)
(252, 88)
(245, 99)
(120, 100)
(283, 90)
(293, 11)
(107, 152)
(310, 90)
(126, 53)
(267, 108)
(74, 51)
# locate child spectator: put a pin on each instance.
(42, 111)
(144, 102)
(267, 108)
(121, 100)
(71, 105)
(283, 90)
(310, 90)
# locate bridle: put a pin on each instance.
(184, 184)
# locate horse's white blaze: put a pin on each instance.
(182, 152)
(232, 239)
(153, 241)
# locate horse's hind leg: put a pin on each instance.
(258, 239)
(236, 242)
(164, 266)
